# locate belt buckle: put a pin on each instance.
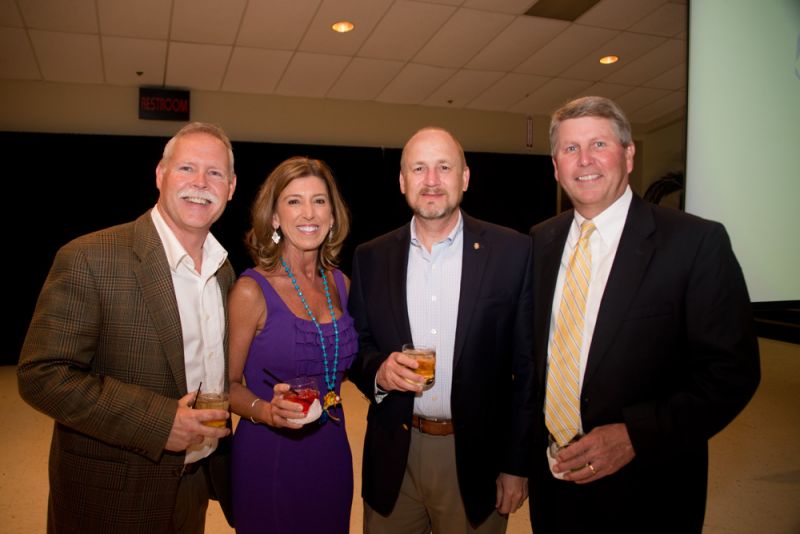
(420, 422)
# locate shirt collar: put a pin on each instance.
(610, 222)
(213, 252)
(451, 237)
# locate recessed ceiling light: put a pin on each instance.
(343, 26)
(608, 60)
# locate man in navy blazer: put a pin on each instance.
(453, 457)
(668, 354)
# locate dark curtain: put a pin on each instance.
(66, 185)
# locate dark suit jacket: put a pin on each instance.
(104, 357)
(492, 362)
(673, 356)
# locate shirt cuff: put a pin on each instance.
(379, 393)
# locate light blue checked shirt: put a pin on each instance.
(433, 288)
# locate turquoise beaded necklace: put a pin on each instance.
(331, 399)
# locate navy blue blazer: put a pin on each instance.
(673, 356)
(492, 362)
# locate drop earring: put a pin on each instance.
(276, 237)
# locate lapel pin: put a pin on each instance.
(476, 245)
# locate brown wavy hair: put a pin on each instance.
(264, 252)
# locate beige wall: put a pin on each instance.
(76, 108)
(666, 151)
(61, 107)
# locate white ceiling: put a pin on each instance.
(472, 54)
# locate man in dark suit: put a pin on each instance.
(666, 356)
(452, 457)
(129, 322)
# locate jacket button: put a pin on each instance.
(405, 427)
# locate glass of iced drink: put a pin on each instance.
(426, 358)
(212, 400)
(303, 391)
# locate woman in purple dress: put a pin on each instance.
(288, 319)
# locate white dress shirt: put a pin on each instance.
(202, 316)
(603, 244)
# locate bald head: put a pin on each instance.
(432, 132)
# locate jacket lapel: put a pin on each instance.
(397, 263)
(155, 280)
(630, 265)
(473, 265)
(554, 239)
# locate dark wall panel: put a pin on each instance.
(66, 185)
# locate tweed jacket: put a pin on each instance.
(104, 357)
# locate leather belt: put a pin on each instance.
(434, 427)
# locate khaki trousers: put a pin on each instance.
(429, 499)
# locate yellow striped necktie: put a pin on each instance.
(562, 405)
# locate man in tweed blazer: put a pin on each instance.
(128, 322)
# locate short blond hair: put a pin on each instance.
(204, 128)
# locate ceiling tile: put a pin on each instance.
(671, 102)
(276, 24)
(125, 56)
(514, 7)
(364, 79)
(9, 14)
(516, 43)
(462, 37)
(668, 20)
(550, 96)
(196, 66)
(415, 83)
(508, 91)
(206, 21)
(407, 51)
(608, 90)
(143, 18)
(311, 75)
(674, 79)
(364, 14)
(445, 2)
(405, 28)
(17, 61)
(73, 16)
(464, 86)
(640, 97)
(618, 14)
(572, 45)
(68, 57)
(656, 62)
(254, 70)
(628, 46)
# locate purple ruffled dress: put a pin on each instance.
(288, 480)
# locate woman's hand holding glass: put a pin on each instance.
(289, 407)
(281, 411)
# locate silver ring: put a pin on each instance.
(591, 468)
